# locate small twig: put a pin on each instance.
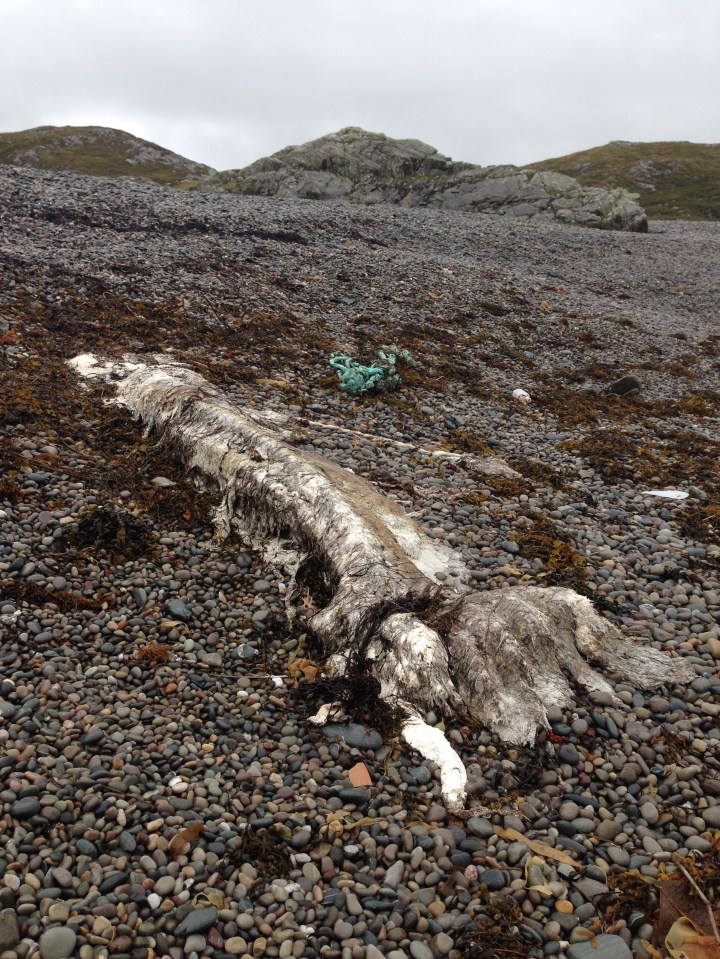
(703, 898)
(212, 308)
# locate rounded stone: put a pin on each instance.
(418, 950)
(235, 946)
(650, 813)
(195, 943)
(626, 386)
(25, 808)
(198, 920)
(482, 828)
(607, 946)
(57, 943)
(494, 879)
(569, 811)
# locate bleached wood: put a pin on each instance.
(507, 656)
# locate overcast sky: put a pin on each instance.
(489, 81)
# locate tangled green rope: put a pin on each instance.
(380, 377)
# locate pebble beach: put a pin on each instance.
(162, 793)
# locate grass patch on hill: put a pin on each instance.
(96, 151)
(675, 180)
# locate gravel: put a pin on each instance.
(137, 697)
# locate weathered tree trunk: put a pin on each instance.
(374, 594)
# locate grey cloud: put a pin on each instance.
(226, 81)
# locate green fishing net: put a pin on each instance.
(381, 377)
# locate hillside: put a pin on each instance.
(98, 151)
(361, 167)
(163, 790)
(675, 180)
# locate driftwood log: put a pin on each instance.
(497, 659)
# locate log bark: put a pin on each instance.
(379, 593)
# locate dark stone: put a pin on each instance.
(126, 841)
(41, 479)
(471, 845)
(113, 881)
(480, 827)
(178, 609)
(567, 753)
(354, 735)
(494, 879)
(197, 921)
(359, 797)
(378, 905)
(566, 843)
(25, 808)
(626, 386)
(461, 859)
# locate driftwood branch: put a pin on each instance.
(374, 594)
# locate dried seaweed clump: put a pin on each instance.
(562, 564)
(465, 441)
(37, 596)
(267, 849)
(702, 524)
(496, 934)
(120, 534)
(152, 654)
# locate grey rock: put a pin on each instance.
(711, 816)
(9, 932)
(165, 885)
(301, 837)
(516, 851)
(93, 737)
(394, 874)
(650, 813)
(590, 888)
(63, 877)
(195, 943)
(178, 609)
(421, 775)
(25, 808)
(482, 828)
(638, 731)
(197, 921)
(609, 947)
(57, 943)
(567, 753)
(626, 386)
(584, 825)
(418, 950)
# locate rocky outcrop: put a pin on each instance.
(675, 180)
(361, 167)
